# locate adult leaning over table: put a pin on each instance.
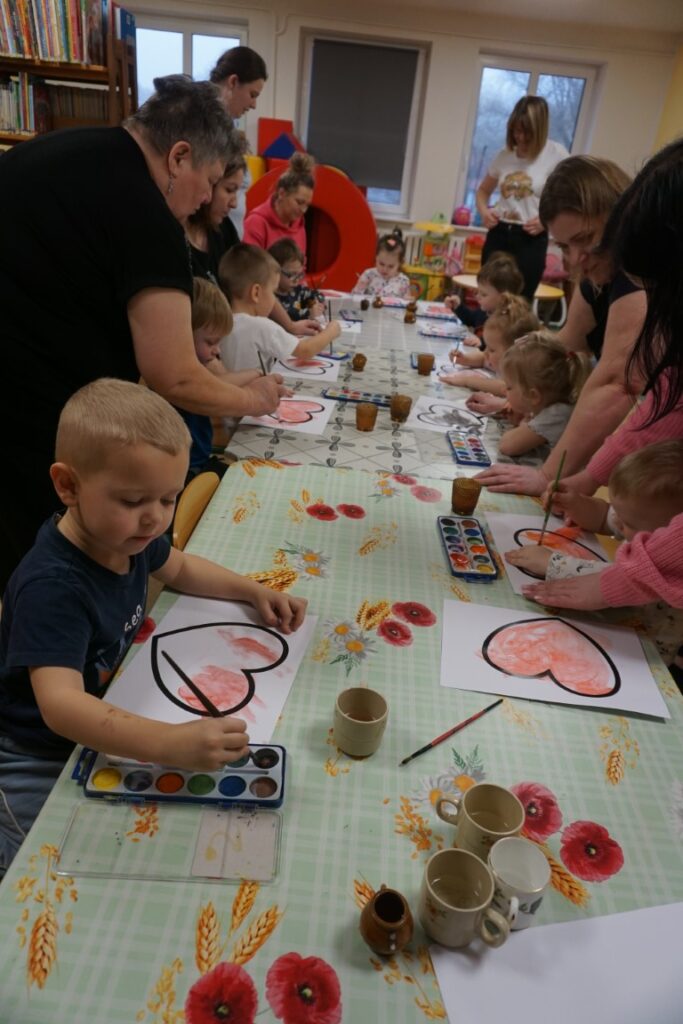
(605, 317)
(95, 281)
(645, 234)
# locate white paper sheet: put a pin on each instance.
(221, 646)
(510, 532)
(301, 414)
(440, 415)
(621, 969)
(316, 368)
(602, 667)
(350, 326)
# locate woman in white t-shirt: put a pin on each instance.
(519, 172)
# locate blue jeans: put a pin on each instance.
(25, 784)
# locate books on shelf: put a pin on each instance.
(72, 31)
(30, 105)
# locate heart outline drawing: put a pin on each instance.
(494, 637)
(562, 542)
(248, 673)
(301, 415)
(451, 416)
(311, 367)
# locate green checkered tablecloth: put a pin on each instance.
(79, 949)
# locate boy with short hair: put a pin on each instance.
(249, 277)
(293, 294)
(76, 601)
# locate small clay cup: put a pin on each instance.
(360, 718)
(386, 923)
(465, 495)
(365, 303)
(358, 362)
(377, 302)
(409, 317)
(412, 306)
(425, 363)
(399, 408)
(366, 414)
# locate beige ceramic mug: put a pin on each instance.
(360, 718)
(483, 815)
(455, 897)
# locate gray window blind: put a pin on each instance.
(359, 111)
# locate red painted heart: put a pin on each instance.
(552, 647)
(563, 540)
(297, 410)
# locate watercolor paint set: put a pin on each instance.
(467, 551)
(257, 780)
(467, 449)
(352, 316)
(351, 395)
(447, 331)
(436, 311)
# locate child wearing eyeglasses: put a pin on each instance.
(300, 301)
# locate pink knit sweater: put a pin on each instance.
(650, 567)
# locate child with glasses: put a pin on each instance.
(300, 301)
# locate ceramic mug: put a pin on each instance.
(483, 815)
(521, 875)
(360, 718)
(455, 897)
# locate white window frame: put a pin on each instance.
(190, 27)
(309, 37)
(536, 66)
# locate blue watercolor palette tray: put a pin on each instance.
(257, 780)
(467, 551)
(467, 449)
(351, 395)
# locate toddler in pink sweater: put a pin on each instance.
(646, 499)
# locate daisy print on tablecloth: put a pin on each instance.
(309, 563)
(350, 642)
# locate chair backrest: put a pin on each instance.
(191, 505)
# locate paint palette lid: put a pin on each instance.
(170, 843)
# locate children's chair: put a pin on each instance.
(191, 505)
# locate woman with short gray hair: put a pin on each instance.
(95, 280)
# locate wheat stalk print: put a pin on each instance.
(42, 947)
(208, 950)
(564, 883)
(255, 936)
(619, 750)
(242, 904)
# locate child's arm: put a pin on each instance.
(519, 440)
(237, 377)
(308, 347)
(469, 359)
(476, 382)
(486, 404)
(361, 285)
(588, 513)
(190, 574)
(207, 744)
(299, 327)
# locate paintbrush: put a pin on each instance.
(276, 415)
(553, 489)
(450, 732)
(329, 319)
(199, 694)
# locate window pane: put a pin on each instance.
(205, 52)
(366, 140)
(157, 53)
(564, 96)
(499, 91)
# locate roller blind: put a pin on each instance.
(361, 97)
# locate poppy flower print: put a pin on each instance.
(395, 632)
(323, 512)
(414, 613)
(352, 511)
(542, 815)
(145, 631)
(403, 478)
(303, 990)
(225, 993)
(588, 850)
(428, 494)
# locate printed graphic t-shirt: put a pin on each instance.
(62, 609)
(521, 181)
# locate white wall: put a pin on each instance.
(635, 70)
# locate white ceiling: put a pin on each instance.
(651, 15)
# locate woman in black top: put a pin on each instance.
(210, 232)
(605, 317)
(95, 281)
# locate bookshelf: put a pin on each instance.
(72, 93)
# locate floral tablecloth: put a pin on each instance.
(603, 793)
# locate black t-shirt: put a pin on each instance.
(600, 302)
(63, 610)
(84, 228)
